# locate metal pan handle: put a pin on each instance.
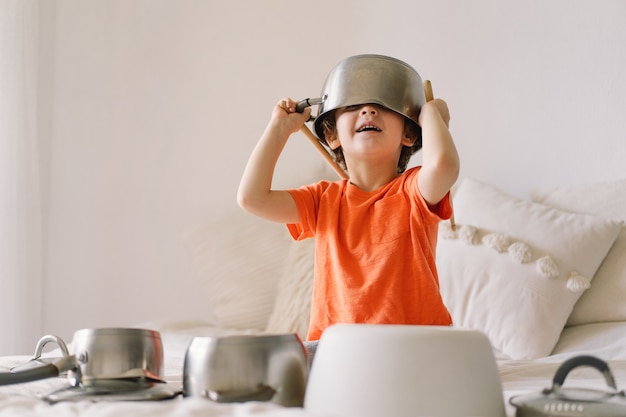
(29, 375)
(308, 102)
(583, 360)
(50, 339)
(50, 370)
(37, 359)
(41, 369)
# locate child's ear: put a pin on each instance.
(333, 142)
(408, 140)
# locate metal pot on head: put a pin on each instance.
(374, 79)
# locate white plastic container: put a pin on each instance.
(402, 370)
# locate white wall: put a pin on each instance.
(152, 107)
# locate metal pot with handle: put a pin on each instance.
(567, 402)
(363, 79)
(369, 78)
(99, 355)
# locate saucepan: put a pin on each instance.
(369, 78)
(99, 357)
(363, 79)
(271, 368)
(570, 402)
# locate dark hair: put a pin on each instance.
(411, 129)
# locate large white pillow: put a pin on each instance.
(292, 309)
(514, 269)
(239, 260)
(606, 299)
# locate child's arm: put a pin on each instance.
(255, 193)
(440, 160)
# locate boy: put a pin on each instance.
(376, 232)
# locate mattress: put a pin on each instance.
(607, 341)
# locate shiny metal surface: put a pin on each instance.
(246, 368)
(114, 390)
(375, 79)
(98, 357)
(38, 361)
(114, 353)
(570, 402)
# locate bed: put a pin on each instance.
(544, 278)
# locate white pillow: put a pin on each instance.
(606, 299)
(519, 297)
(239, 260)
(292, 309)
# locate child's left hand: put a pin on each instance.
(433, 108)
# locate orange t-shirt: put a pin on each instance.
(374, 253)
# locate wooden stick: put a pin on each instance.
(313, 139)
(428, 92)
(307, 132)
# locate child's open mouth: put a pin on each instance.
(368, 128)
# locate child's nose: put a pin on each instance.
(369, 109)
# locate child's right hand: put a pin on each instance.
(285, 114)
(255, 193)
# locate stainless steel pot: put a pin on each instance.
(362, 79)
(572, 402)
(246, 368)
(99, 356)
(117, 353)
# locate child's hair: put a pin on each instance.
(411, 130)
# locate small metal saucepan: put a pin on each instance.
(269, 368)
(569, 402)
(99, 357)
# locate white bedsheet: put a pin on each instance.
(605, 340)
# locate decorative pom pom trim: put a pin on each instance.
(468, 234)
(519, 252)
(576, 283)
(497, 241)
(547, 267)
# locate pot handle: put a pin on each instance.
(583, 360)
(37, 360)
(308, 102)
(50, 370)
(28, 375)
(65, 363)
(48, 339)
(313, 139)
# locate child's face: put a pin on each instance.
(370, 130)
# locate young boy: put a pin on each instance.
(376, 232)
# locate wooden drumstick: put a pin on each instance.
(307, 132)
(428, 90)
(313, 139)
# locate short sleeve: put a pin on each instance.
(306, 203)
(442, 210)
